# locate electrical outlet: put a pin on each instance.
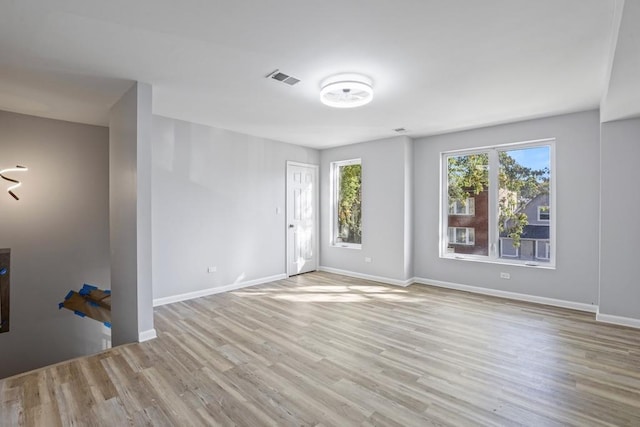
(212, 269)
(367, 259)
(505, 276)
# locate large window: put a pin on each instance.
(497, 203)
(347, 203)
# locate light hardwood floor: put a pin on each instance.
(321, 349)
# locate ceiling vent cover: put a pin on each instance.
(282, 77)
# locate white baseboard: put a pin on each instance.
(380, 279)
(618, 320)
(147, 335)
(510, 295)
(217, 290)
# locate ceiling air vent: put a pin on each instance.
(282, 77)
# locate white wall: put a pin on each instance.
(59, 236)
(386, 204)
(130, 216)
(620, 225)
(215, 196)
(577, 212)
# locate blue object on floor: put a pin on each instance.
(86, 289)
(3, 271)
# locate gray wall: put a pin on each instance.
(577, 212)
(620, 225)
(386, 209)
(130, 216)
(215, 200)
(59, 236)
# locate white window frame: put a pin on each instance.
(494, 237)
(469, 208)
(468, 242)
(540, 209)
(335, 189)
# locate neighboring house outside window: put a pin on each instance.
(535, 240)
(472, 214)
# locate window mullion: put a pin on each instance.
(493, 203)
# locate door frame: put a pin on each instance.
(316, 216)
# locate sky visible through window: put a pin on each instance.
(535, 158)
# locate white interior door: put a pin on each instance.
(302, 218)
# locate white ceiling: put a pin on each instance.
(437, 66)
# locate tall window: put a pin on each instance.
(347, 203)
(497, 203)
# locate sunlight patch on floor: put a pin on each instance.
(323, 297)
(329, 293)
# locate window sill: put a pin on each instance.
(513, 262)
(346, 245)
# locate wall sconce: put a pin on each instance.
(15, 182)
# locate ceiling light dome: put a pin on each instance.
(346, 91)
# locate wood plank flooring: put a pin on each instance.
(327, 350)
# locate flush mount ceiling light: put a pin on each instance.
(346, 91)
